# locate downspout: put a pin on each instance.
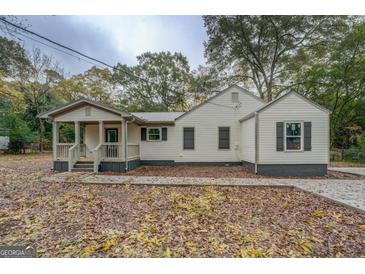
(126, 143)
(256, 140)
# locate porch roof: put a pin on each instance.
(50, 114)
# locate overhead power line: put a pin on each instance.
(60, 50)
(77, 52)
(71, 49)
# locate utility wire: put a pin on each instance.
(79, 53)
(70, 49)
(60, 50)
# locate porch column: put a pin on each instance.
(77, 132)
(101, 134)
(123, 140)
(55, 138)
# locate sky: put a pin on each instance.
(116, 39)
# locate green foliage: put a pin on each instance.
(19, 133)
(161, 81)
(67, 133)
(356, 153)
(260, 50)
(339, 85)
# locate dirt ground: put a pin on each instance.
(222, 172)
(76, 220)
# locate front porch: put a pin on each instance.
(97, 146)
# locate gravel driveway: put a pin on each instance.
(351, 170)
(347, 192)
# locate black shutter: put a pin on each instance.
(307, 136)
(188, 138)
(279, 136)
(223, 138)
(143, 134)
(164, 134)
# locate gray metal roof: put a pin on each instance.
(158, 116)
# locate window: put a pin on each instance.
(293, 136)
(189, 138)
(223, 138)
(234, 97)
(153, 134)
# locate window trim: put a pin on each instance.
(148, 136)
(301, 136)
(106, 134)
(183, 139)
(229, 147)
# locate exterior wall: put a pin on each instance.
(293, 108)
(248, 140)
(61, 166)
(91, 136)
(118, 166)
(133, 134)
(205, 119)
(78, 114)
(292, 170)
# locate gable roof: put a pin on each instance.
(156, 117)
(80, 102)
(271, 103)
(220, 93)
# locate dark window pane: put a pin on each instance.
(111, 135)
(153, 134)
(293, 129)
(188, 138)
(223, 138)
(293, 143)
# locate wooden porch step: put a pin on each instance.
(79, 165)
(85, 162)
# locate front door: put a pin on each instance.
(111, 136)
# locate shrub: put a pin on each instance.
(356, 153)
(20, 134)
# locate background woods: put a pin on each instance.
(322, 57)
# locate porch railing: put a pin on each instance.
(62, 150)
(133, 151)
(112, 151)
(73, 156)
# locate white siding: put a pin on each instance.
(205, 119)
(91, 138)
(293, 108)
(248, 140)
(79, 114)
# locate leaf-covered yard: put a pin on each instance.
(75, 220)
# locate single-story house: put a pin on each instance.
(287, 136)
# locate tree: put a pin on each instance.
(20, 134)
(339, 85)
(36, 86)
(203, 84)
(260, 50)
(96, 84)
(159, 82)
(13, 62)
